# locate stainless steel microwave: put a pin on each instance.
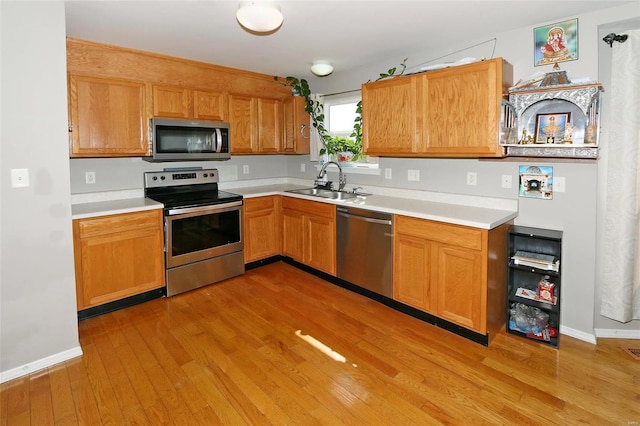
(188, 140)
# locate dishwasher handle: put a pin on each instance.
(364, 219)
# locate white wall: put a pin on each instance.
(38, 323)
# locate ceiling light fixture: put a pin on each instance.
(321, 68)
(259, 16)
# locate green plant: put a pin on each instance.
(331, 145)
(300, 87)
(336, 144)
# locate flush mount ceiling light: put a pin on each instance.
(321, 68)
(259, 16)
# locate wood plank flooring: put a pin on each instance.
(239, 352)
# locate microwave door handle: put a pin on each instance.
(218, 140)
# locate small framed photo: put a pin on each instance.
(536, 182)
(556, 43)
(550, 128)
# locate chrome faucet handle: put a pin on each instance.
(343, 181)
(357, 189)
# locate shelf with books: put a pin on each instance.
(534, 284)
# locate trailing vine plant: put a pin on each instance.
(300, 87)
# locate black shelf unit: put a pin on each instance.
(539, 241)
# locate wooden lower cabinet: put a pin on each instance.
(118, 256)
(262, 228)
(454, 272)
(309, 233)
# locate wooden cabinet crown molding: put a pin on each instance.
(109, 61)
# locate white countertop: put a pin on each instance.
(105, 206)
(474, 211)
(460, 214)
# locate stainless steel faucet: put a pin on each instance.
(342, 179)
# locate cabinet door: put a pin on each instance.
(461, 295)
(462, 110)
(118, 256)
(389, 114)
(320, 243)
(108, 117)
(296, 126)
(262, 229)
(293, 234)
(270, 125)
(210, 106)
(412, 271)
(243, 122)
(171, 102)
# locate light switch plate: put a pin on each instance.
(19, 178)
(413, 175)
(559, 184)
(245, 169)
(387, 173)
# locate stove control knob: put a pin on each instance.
(155, 178)
(162, 178)
(205, 175)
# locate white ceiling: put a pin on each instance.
(349, 34)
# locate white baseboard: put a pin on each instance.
(40, 364)
(580, 335)
(617, 334)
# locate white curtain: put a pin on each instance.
(315, 142)
(621, 260)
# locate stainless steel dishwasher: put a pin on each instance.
(365, 249)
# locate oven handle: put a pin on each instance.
(204, 209)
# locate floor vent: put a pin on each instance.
(634, 352)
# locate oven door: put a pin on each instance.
(199, 233)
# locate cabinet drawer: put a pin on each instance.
(310, 207)
(119, 222)
(456, 235)
(259, 203)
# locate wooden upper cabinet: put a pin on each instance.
(243, 111)
(389, 114)
(453, 112)
(270, 124)
(256, 125)
(108, 117)
(210, 105)
(462, 109)
(184, 102)
(296, 126)
(171, 102)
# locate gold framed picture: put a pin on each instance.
(550, 128)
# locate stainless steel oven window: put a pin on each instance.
(201, 233)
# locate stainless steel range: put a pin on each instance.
(202, 226)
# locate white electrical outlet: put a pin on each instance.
(245, 169)
(90, 178)
(507, 181)
(559, 184)
(472, 178)
(387, 173)
(19, 178)
(413, 175)
(303, 167)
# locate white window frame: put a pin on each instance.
(347, 98)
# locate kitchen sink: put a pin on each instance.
(324, 193)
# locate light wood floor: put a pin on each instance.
(235, 353)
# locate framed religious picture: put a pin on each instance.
(550, 128)
(556, 43)
(536, 182)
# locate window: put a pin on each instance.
(340, 115)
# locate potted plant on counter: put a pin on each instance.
(343, 150)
